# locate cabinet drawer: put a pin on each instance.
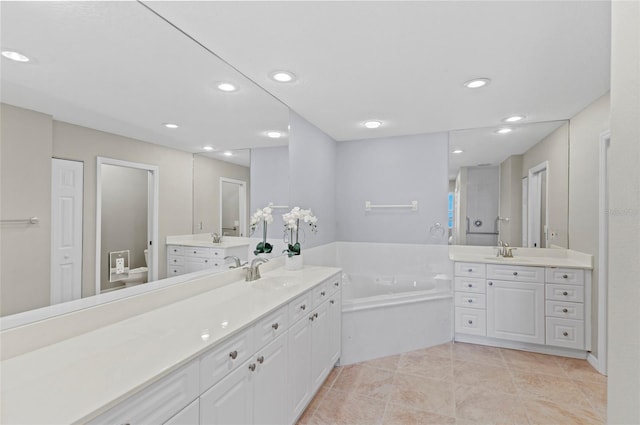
(192, 251)
(565, 333)
(268, 328)
(320, 293)
(217, 253)
(158, 402)
(470, 270)
(566, 276)
(470, 284)
(471, 321)
(175, 250)
(564, 292)
(565, 310)
(515, 273)
(175, 270)
(207, 263)
(174, 260)
(190, 415)
(334, 284)
(226, 357)
(299, 307)
(470, 299)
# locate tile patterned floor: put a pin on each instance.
(462, 384)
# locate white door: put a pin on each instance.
(515, 311)
(320, 346)
(299, 370)
(233, 207)
(66, 230)
(335, 325)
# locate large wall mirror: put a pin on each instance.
(510, 185)
(106, 79)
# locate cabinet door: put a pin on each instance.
(299, 370)
(230, 401)
(320, 355)
(270, 384)
(515, 311)
(335, 328)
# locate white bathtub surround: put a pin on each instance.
(386, 315)
(75, 379)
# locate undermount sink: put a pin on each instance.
(507, 259)
(282, 282)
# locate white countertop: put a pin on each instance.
(76, 379)
(539, 257)
(205, 240)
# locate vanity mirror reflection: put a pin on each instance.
(511, 185)
(106, 79)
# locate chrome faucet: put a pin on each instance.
(253, 271)
(216, 238)
(238, 262)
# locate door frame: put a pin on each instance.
(77, 223)
(242, 207)
(534, 201)
(152, 211)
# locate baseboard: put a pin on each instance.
(514, 345)
(595, 363)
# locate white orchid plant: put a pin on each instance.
(292, 221)
(264, 216)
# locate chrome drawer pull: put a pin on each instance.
(564, 276)
(275, 326)
(260, 359)
(233, 354)
(322, 293)
(564, 310)
(252, 367)
(490, 283)
(471, 322)
(336, 284)
(470, 270)
(565, 293)
(332, 302)
(470, 300)
(470, 285)
(303, 307)
(565, 333)
(515, 273)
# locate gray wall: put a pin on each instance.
(624, 217)
(555, 149)
(270, 184)
(25, 177)
(312, 177)
(394, 170)
(511, 200)
(206, 191)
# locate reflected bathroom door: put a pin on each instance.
(537, 214)
(233, 207)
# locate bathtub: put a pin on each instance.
(386, 315)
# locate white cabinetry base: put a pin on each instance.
(515, 345)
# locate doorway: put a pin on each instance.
(67, 182)
(126, 219)
(233, 207)
(537, 206)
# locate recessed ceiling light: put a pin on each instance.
(15, 56)
(171, 125)
(372, 124)
(283, 76)
(476, 83)
(457, 151)
(227, 87)
(208, 148)
(514, 118)
(274, 134)
(504, 130)
(228, 153)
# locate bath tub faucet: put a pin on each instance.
(253, 271)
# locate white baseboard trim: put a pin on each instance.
(515, 345)
(596, 364)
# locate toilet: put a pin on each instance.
(138, 275)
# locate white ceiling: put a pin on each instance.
(116, 66)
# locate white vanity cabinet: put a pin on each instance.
(514, 305)
(182, 259)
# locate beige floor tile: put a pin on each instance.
(387, 363)
(477, 353)
(426, 364)
(489, 378)
(442, 350)
(339, 408)
(543, 412)
(431, 395)
(557, 389)
(364, 380)
(596, 392)
(481, 407)
(532, 362)
(397, 414)
(580, 370)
